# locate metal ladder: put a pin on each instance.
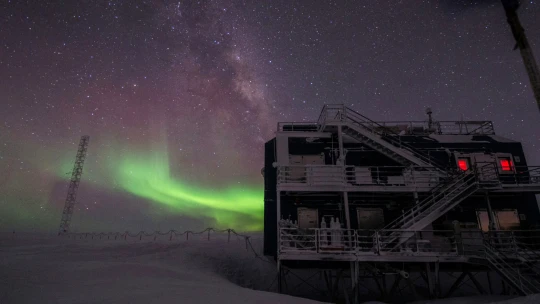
(514, 269)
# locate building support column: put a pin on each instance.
(280, 276)
(341, 158)
(431, 286)
(489, 282)
(278, 219)
(346, 206)
(491, 216)
(437, 280)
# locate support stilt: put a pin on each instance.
(413, 287)
(489, 282)
(397, 280)
(431, 287)
(437, 280)
(384, 287)
(280, 277)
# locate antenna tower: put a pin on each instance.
(74, 185)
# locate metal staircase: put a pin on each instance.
(515, 268)
(377, 137)
(442, 198)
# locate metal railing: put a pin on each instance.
(522, 175)
(515, 273)
(297, 240)
(492, 173)
(520, 244)
(364, 242)
(437, 127)
(445, 193)
(315, 175)
(297, 127)
(488, 175)
(343, 114)
(338, 112)
(419, 243)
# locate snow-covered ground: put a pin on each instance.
(49, 269)
(41, 269)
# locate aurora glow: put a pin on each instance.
(240, 207)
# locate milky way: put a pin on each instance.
(178, 98)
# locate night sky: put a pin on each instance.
(178, 97)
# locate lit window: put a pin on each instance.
(506, 164)
(463, 164)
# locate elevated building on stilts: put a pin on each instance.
(363, 200)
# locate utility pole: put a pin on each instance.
(74, 185)
(510, 7)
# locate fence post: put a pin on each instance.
(208, 239)
(229, 235)
(170, 237)
(187, 235)
(246, 238)
(140, 237)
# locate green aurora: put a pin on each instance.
(233, 207)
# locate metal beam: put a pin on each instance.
(347, 211)
(456, 284)
(477, 284)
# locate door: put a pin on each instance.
(370, 218)
(308, 218)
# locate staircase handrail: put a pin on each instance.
(361, 120)
(523, 251)
(441, 189)
(517, 276)
(447, 189)
(488, 123)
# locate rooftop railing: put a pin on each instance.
(337, 113)
(297, 127)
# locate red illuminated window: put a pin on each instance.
(463, 164)
(506, 164)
